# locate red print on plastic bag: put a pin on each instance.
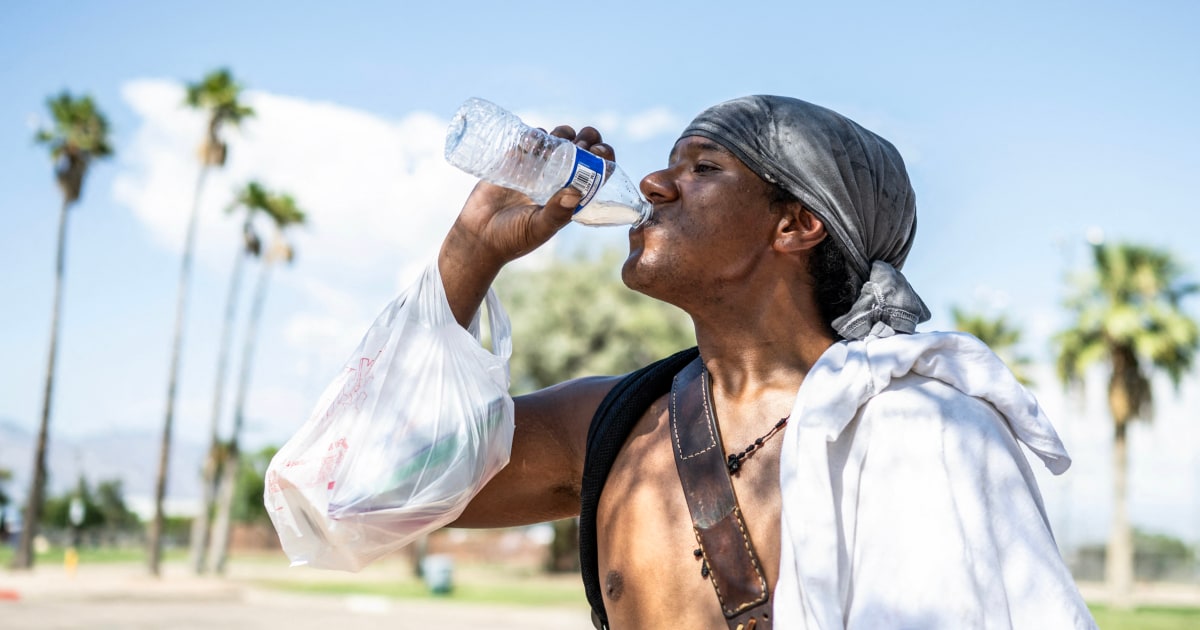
(337, 451)
(353, 391)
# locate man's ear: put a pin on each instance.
(798, 229)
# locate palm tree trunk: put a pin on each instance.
(563, 554)
(155, 542)
(23, 558)
(417, 550)
(1119, 560)
(223, 524)
(200, 526)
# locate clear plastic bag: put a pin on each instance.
(418, 421)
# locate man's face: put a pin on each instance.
(712, 224)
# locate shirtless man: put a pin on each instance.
(738, 254)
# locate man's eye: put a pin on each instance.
(702, 167)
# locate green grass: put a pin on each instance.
(496, 586)
(104, 555)
(531, 591)
(1147, 618)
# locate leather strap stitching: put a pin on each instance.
(712, 438)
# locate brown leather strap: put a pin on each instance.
(725, 545)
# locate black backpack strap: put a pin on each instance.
(614, 420)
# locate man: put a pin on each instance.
(896, 497)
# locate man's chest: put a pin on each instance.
(649, 572)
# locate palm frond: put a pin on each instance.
(79, 128)
(999, 334)
(1127, 313)
(280, 208)
(218, 94)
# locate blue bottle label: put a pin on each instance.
(587, 176)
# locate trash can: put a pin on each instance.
(439, 574)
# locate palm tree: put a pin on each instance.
(217, 94)
(250, 200)
(78, 136)
(1127, 315)
(5, 477)
(1000, 335)
(283, 212)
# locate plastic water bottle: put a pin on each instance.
(493, 144)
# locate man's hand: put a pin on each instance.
(498, 225)
(505, 225)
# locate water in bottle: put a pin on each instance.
(493, 144)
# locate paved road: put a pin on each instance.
(107, 598)
(296, 614)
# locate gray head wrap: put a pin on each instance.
(850, 178)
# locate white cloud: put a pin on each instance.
(374, 189)
(651, 123)
(377, 192)
(990, 299)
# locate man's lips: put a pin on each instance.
(653, 220)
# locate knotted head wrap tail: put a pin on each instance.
(850, 178)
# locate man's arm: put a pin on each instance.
(543, 476)
(542, 479)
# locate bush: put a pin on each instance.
(1156, 557)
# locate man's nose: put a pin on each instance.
(658, 187)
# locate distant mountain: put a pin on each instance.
(16, 447)
(11, 430)
(131, 456)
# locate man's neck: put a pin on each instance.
(757, 346)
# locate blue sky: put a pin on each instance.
(1024, 125)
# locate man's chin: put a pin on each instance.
(638, 278)
(632, 273)
(629, 270)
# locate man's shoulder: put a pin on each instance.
(914, 400)
(916, 389)
(952, 382)
(943, 375)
